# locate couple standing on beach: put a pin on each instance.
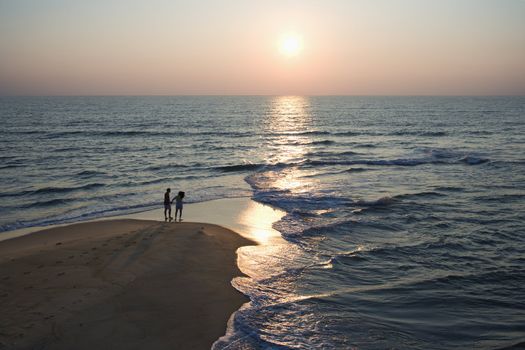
(178, 205)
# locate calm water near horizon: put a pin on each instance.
(405, 223)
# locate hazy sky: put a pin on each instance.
(232, 47)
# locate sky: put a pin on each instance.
(234, 47)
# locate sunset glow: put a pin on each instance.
(337, 47)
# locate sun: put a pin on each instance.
(290, 45)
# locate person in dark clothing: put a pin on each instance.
(167, 205)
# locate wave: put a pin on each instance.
(52, 190)
(297, 205)
(169, 166)
(15, 161)
(365, 145)
(239, 167)
(24, 132)
(443, 247)
(220, 133)
(427, 133)
(479, 132)
(300, 133)
(377, 202)
(489, 277)
(449, 189)
(10, 166)
(346, 171)
(90, 173)
(330, 154)
(66, 149)
(347, 133)
(453, 155)
(322, 142)
(516, 346)
(501, 198)
(420, 194)
(146, 133)
(386, 200)
(49, 203)
(160, 180)
(393, 133)
(504, 163)
(67, 218)
(474, 160)
(398, 162)
(7, 157)
(356, 170)
(432, 133)
(418, 133)
(470, 160)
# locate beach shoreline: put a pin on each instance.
(123, 283)
(237, 214)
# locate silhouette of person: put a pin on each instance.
(167, 205)
(178, 204)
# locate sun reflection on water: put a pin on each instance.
(256, 221)
(288, 123)
(287, 120)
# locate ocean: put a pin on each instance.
(405, 216)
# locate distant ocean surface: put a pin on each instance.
(405, 223)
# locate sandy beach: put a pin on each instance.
(120, 284)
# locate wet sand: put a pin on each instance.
(119, 284)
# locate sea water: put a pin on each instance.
(405, 216)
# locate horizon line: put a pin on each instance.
(262, 95)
